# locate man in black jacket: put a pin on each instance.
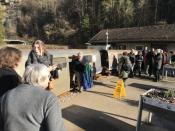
(79, 69)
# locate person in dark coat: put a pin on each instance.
(94, 71)
(150, 59)
(29, 107)
(72, 71)
(132, 59)
(38, 54)
(158, 65)
(9, 60)
(173, 58)
(79, 69)
(124, 67)
(144, 63)
(138, 65)
(114, 65)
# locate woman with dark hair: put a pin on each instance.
(38, 54)
(9, 60)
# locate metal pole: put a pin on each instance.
(139, 118)
(155, 16)
(163, 72)
(107, 34)
(149, 117)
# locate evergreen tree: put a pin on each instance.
(78, 20)
(1, 25)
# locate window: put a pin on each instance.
(139, 47)
(119, 47)
(122, 47)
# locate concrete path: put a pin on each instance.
(98, 110)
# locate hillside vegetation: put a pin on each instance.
(1, 25)
(76, 21)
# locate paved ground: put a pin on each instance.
(98, 110)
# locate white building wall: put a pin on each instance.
(134, 45)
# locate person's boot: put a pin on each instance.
(139, 74)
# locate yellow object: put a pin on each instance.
(120, 89)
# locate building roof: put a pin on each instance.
(157, 33)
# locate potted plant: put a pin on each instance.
(159, 102)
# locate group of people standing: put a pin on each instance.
(81, 73)
(149, 62)
(26, 103)
(154, 60)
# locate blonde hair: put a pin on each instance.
(9, 57)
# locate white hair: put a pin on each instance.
(36, 75)
(158, 50)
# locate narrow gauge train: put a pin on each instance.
(101, 58)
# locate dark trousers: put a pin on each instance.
(157, 75)
(124, 81)
(138, 69)
(150, 70)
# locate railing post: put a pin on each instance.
(139, 118)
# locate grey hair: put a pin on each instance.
(36, 74)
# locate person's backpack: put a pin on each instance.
(126, 66)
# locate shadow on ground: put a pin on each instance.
(102, 93)
(144, 86)
(102, 84)
(131, 102)
(145, 77)
(93, 120)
